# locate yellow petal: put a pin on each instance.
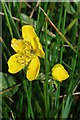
(28, 32)
(59, 73)
(30, 36)
(33, 69)
(14, 64)
(40, 51)
(19, 45)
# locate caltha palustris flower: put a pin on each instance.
(28, 50)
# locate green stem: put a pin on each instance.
(70, 25)
(63, 27)
(46, 95)
(28, 97)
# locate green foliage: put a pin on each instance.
(9, 86)
(44, 97)
(66, 107)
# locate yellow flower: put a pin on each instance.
(59, 73)
(27, 51)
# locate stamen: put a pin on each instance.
(26, 53)
(32, 51)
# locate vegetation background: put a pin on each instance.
(44, 97)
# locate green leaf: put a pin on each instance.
(8, 85)
(69, 8)
(78, 9)
(66, 107)
(28, 19)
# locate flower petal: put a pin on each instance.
(28, 32)
(15, 65)
(33, 69)
(30, 36)
(39, 50)
(59, 73)
(17, 45)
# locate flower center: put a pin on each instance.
(32, 51)
(26, 54)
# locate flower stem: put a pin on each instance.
(28, 98)
(46, 95)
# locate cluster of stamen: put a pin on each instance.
(26, 54)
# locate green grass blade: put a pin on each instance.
(28, 98)
(7, 19)
(12, 22)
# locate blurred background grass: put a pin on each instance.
(44, 97)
